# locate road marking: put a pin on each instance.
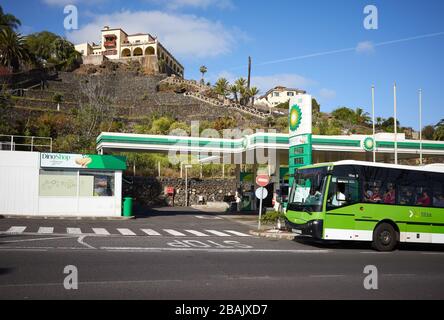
(126, 232)
(197, 233)
(209, 217)
(232, 250)
(73, 230)
(80, 240)
(16, 229)
(101, 231)
(37, 239)
(174, 232)
(327, 276)
(218, 233)
(46, 230)
(237, 233)
(151, 232)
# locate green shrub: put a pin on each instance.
(57, 97)
(272, 216)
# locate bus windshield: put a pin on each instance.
(307, 192)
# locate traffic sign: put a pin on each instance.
(262, 180)
(261, 193)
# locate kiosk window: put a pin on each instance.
(58, 183)
(96, 184)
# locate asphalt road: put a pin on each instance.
(176, 254)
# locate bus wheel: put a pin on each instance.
(385, 237)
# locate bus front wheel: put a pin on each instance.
(385, 237)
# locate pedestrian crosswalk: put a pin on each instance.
(45, 230)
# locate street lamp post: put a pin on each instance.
(420, 127)
(188, 166)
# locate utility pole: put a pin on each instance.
(249, 73)
(396, 125)
(373, 120)
(420, 126)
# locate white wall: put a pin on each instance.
(19, 182)
(19, 191)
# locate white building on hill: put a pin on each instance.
(116, 44)
(278, 95)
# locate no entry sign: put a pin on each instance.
(262, 180)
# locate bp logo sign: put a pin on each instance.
(368, 144)
(295, 117)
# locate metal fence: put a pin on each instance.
(25, 143)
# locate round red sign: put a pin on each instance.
(262, 180)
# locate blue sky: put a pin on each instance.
(221, 34)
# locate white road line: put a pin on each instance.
(101, 231)
(174, 232)
(197, 233)
(16, 229)
(126, 232)
(218, 233)
(326, 276)
(73, 230)
(138, 249)
(37, 239)
(150, 232)
(80, 240)
(46, 230)
(237, 233)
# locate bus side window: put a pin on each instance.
(342, 192)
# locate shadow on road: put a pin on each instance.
(4, 271)
(359, 245)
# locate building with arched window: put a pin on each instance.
(116, 44)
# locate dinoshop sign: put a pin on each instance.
(80, 161)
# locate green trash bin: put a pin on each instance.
(128, 207)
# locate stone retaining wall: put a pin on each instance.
(150, 191)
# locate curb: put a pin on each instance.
(273, 235)
(67, 218)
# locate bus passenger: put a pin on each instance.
(375, 196)
(425, 200)
(389, 196)
(408, 198)
(339, 197)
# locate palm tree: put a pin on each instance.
(379, 121)
(203, 70)
(162, 63)
(222, 87)
(8, 21)
(253, 92)
(362, 117)
(439, 131)
(62, 49)
(241, 84)
(234, 90)
(13, 49)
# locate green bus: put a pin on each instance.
(365, 201)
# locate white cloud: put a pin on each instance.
(200, 4)
(62, 3)
(327, 94)
(365, 47)
(265, 83)
(185, 35)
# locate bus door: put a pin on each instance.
(343, 193)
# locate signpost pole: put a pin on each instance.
(260, 209)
